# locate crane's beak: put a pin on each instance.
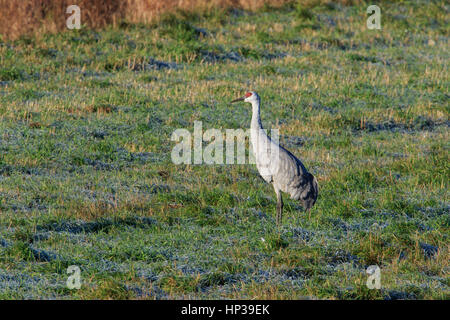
(239, 99)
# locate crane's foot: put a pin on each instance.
(279, 207)
(309, 213)
(279, 213)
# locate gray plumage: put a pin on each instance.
(277, 165)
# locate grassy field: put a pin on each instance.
(86, 176)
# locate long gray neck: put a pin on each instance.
(256, 119)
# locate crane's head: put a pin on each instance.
(310, 192)
(250, 96)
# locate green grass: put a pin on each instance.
(86, 177)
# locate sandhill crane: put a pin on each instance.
(277, 165)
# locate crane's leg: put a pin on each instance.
(279, 207)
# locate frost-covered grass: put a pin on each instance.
(86, 177)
